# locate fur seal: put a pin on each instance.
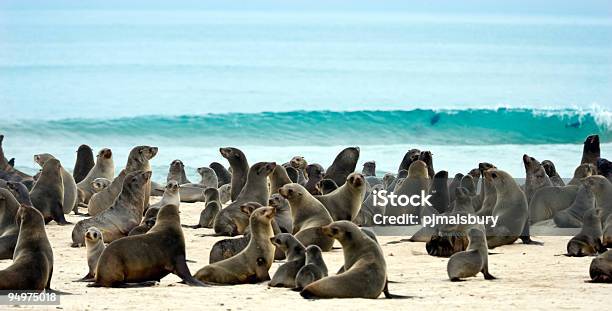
(467, 182)
(591, 151)
(473, 260)
(230, 220)
(211, 208)
(308, 215)
(118, 220)
(510, 208)
(416, 183)
(344, 203)
(176, 172)
(251, 265)
(70, 188)
(300, 164)
(315, 174)
(551, 171)
(225, 193)
(147, 257)
(601, 268)
(369, 169)
(582, 171)
(278, 178)
(20, 192)
(285, 275)
(365, 270)
(283, 213)
(571, 217)
(536, 177)
(607, 232)
(106, 197)
(104, 168)
(604, 168)
(224, 177)
(343, 165)
(240, 168)
(427, 157)
(84, 163)
(488, 194)
(9, 227)
(602, 189)
(48, 193)
(145, 225)
(455, 182)
(100, 184)
(548, 202)
(313, 270)
(171, 195)
(440, 197)
(368, 209)
(138, 160)
(208, 178)
(32, 266)
(410, 156)
(588, 241)
(94, 243)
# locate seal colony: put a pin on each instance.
(295, 211)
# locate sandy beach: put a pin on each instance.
(528, 277)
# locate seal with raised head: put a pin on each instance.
(171, 196)
(94, 243)
(315, 174)
(283, 213)
(231, 221)
(369, 169)
(84, 163)
(106, 197)
(224, 177)
(70, 202)
(343, 165)
(588, 241)
(118, 220)
(582, 171)
(32, 266)
(551, 171)
(208, 178)
(251, 265)
(48, 193)
(313, 270)
(104, 168)
(308, 215)
(344, 203)
(601, 268)
(536, 177)
(440, 197)
(176, 172)
(300, 164)
(472, 261)
(138, 160)
(240, 168)
(9, 227)
(591, 150)
(410, 156)
(365, 270)
(296, 257)
(147, 257)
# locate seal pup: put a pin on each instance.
(571, 217)
(211, 209)
(225, 193)
(315, 174)
(601, 268)
(472, 261)
(104, 168)
(48, 193)
(105, 198)
(410, 156)
(224, 177)
(607, 232)
(32, 266)
(147, 257)
(582, 171)
(70, 202)
(251, 265)
(591, 150)
(308, 215)
(240, 168)
(171, 196)
(231, 221)
(365, 270)
(176, 172)
(208, 178)
(283, 213)
(588, 241)
(125, 214)
(285, 275)
(138, 160)
(84, 163)
(343, 165)
(94, 243)
(278, 178)
(313, 270)
(551, 171)
(9, 227)
(299, 163)
(100, 184)
(344, 203)
(510, 208)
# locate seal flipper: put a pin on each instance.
(87, 278)
(388, 295)
(57, 213)
(525, 236)
(182, 270)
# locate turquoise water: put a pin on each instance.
(282, 82)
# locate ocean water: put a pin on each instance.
(470, 86)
